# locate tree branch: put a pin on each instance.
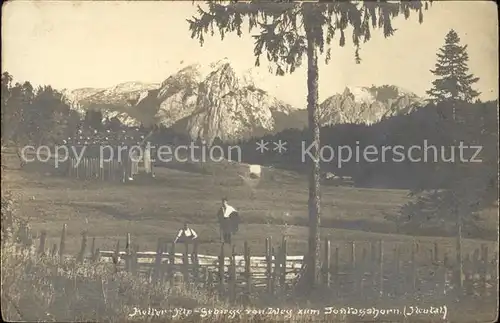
(280, 35)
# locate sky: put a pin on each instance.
(71, 44)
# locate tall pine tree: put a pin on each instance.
(453, 82)
(453, 88)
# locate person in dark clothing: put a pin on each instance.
(228, 221)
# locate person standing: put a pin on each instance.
(185, 235)
(228, 221)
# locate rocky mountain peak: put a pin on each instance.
(368, 104)
(221, 82)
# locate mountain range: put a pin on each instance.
(213, 101)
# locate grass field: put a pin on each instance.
(155, 209)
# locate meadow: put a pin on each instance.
(149, 209)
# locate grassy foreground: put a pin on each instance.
(43, 289)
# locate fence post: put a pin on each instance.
(86, 167)
(81, 254)
(221, 271)
(373, 251)
(283, 264)
(326, 264)
(397, 258)
(469, 272)
(476, 257)
(459, 259)
(70, 163)
(276, 269)
(269, 266)
(43, 237)
(92, 248)
(101, 170)
(98, 169)
(106, 173)
(53, 253)
(446, 260)
(171, 265)
(248, 270)
(204, 277)
(232, 276)
(381, 266)
(157, 267)
(195, 262)
(134, 263)
(97, 257)
(63, 241)
(128, 253)
(89, 167)
(29, 238)
(210, 280)
(364, 262)
(76, 168)
(485, 269)
(413, 267)
(336, 271)
(353, 255)
(436, 253)
(79, 169)
(116, 256)
(112, 170)
(85, 170)
(185, 264)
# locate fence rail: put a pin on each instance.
(94, 168)
(381, 272)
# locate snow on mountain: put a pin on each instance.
(116, 101)
(124, 117)
(130, 87)
(368, 105)
(124, 94)
(75, 97)
(361, 94)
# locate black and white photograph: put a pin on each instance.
(249, 161)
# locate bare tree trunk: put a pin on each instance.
(458, 214)
(459, 268)
(315, 170)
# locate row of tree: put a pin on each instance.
(36, 116)
(42, 116)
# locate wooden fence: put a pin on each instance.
(92, 168)
(372, 271)
(100, 168)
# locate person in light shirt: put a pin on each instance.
(228, 221)
(185, 235)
